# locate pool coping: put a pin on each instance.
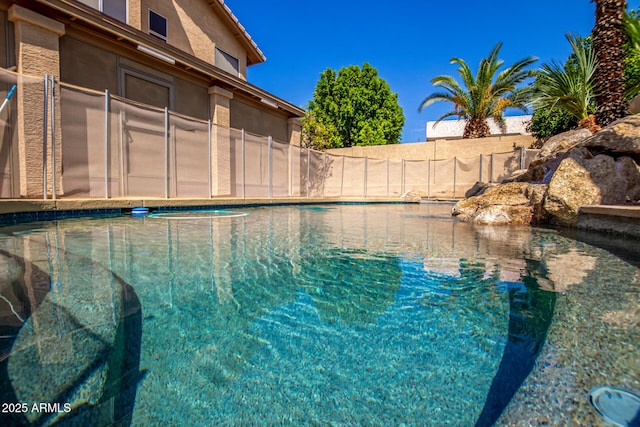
(14, 211)
(620, 219)
(612, 219)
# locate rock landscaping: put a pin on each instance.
(573, 169)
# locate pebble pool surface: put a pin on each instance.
(316, 315)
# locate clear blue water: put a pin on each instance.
(315, 315)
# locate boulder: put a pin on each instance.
(622, 137)
(511, 203)
(559, 144)
(412, 197)
(478, 189)
(583, 180)
(572, 170)
(533, 174)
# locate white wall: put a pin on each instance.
(516, 125)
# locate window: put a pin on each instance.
(114, 8)
(7, 49)
(227, 62)
(157, 25)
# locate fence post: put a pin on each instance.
(366, 175)
(402, 179)
(491, 170)
(53, 137)
(480, 171)
(45, 129)
(387, 177)
(290, 156)
(269, 166)
(342, 178)
(324, 172)
(308, 169)
(106, 143)
(455, 172)
(166, 152)
(209, 150)
(429, 179)
(244, 185)
(522, 153)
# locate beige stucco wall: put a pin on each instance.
(261, 121)
(37, 52)
(192, 27)
(87, 65)
(439, 149)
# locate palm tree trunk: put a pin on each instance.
(476, 128)
(608, 41)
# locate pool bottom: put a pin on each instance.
(257, 319)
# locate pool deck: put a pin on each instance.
(622, 220)
(616, 211)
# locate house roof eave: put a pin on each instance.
(124, 33)
(254, 54)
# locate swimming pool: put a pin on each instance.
(310, 315)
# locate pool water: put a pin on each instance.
(310, 315)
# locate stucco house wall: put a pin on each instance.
(193, 28)
(80, 45)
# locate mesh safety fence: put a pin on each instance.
(442, 174)
(529, 155)
(236, 149)
(504, 164)
(377, 177)
(416, 176)
(334, 169)
(485, 162)
(466, 174)
(113, 147)
(396, 177)
(256, 161)
(222, 152)
(84, 165)
(144, 150)
(299, 168)
(190, 157)
(28, 93)
(353, 183)
(280, 174)
(317, 173)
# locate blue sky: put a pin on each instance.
(409, 42)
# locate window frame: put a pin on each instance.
(154, 32)
(100, 8)
(227, 55)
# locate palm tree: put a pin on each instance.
(485, 95)
(570, 87)
(608, 45)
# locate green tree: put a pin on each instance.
(547, 122)
(352, 107)
(485, 95)
(568, 88)
(632, 55)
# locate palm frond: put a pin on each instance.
(483, 94)
(569, 87)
